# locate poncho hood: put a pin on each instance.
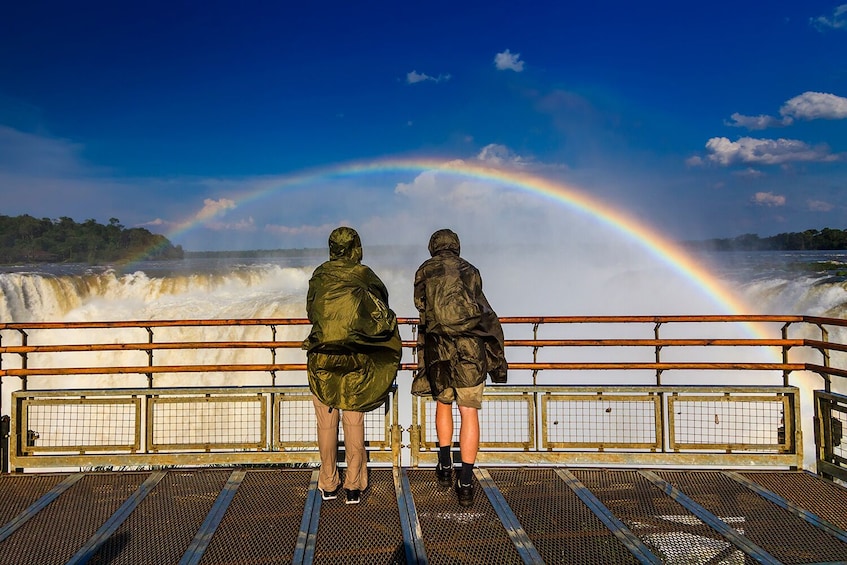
(344, 242)
(444, 241)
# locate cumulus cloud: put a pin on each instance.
(815, 106)
(751, 150)
(838, 20)
(508, 61)
(768, 199)
(415, 77)
(212, 208)
(819, 206)
(806, 106)
(500, 155)
(754, 122)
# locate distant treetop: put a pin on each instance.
(826, 239)
(24, 239)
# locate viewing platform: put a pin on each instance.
(676, 439)
(520, 515)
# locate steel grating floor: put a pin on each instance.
(520, 515)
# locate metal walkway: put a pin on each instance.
(520, 515)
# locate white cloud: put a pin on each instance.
(212, 208)
(499, 155)
(806, 106)
(765, 151)
(416, 77)
(815, 105)
(837, 21)
(768, 199)
(508, 61)
(819, 206)
(750, 173)
(754, 122)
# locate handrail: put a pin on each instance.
(809, 348)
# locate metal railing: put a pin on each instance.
(676, 390)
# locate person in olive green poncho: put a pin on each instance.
(354, 352)
(460, 341)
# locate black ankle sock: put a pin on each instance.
(466, 474)
(444, 456)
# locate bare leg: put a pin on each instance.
(468, 434)
(444, 423)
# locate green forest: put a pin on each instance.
(25, 239)
(826, 239)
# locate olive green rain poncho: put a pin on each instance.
(460, 339)
(354, 347)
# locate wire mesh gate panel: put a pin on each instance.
(634, 425)
(830, 423)
(184, 426)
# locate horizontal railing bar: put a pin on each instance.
(652, 342)
(825, 321)
(659, 366)
(175, 345)
(414, 321)
(825, 345)
(826, 370)
(653, 319)
(146, 369)
(170, 345)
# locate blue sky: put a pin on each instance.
(712, 120)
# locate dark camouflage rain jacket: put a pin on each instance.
(354, 347)
(460, 339)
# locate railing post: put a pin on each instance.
(658, 353)
(24, 358)
(785, 348)
(273, 355)
(5, 429)
(149, 357)
(415, 434)
(825, 352)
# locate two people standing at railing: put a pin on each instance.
(354, 352)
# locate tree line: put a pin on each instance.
(25, 239)
(826, 239)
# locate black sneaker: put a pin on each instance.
(444, 475)
(330, 494)
(354, 496)
(464, 493)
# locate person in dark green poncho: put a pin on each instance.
(460, 342)
(353, 354)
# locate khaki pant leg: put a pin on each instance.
(327, 425)
(356, 476)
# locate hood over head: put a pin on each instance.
(345, 242)
(444, 241)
